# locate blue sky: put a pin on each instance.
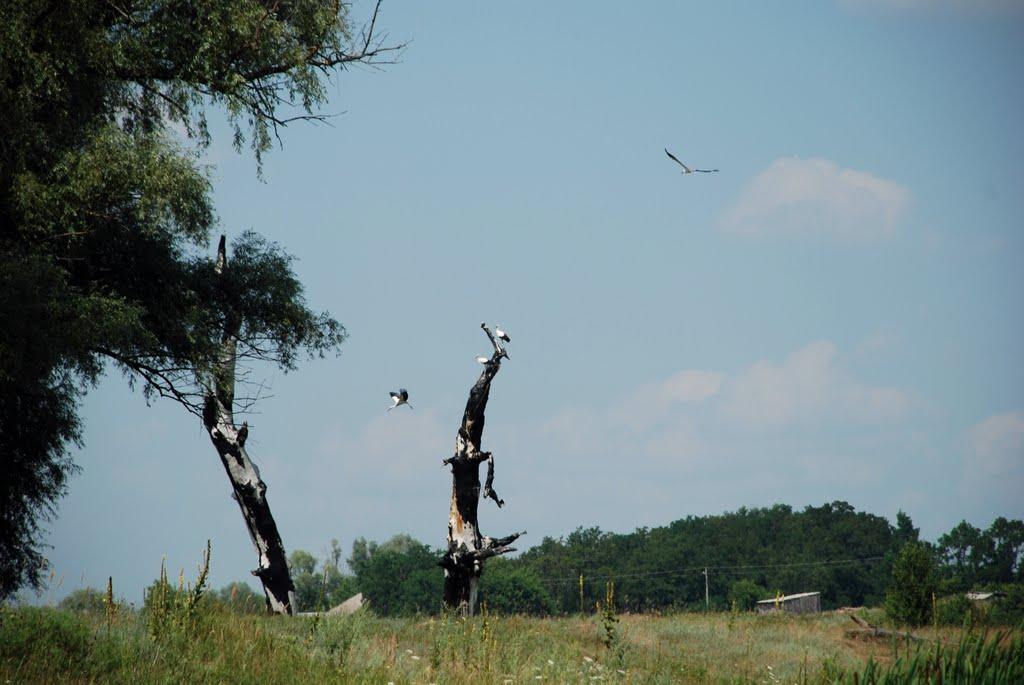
(835, 315)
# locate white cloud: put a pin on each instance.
(651, 403)
(397, 445)
(996, 446)
(809, 385)
(647, 421)
(694, 411)
(815, 197)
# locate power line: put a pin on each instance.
(743, 569)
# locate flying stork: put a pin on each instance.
(686, 169)
(399, 398)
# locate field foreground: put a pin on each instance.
(46, 645)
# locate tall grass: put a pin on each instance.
(977, 659)
(45, 645)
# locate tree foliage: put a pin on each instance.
(973, 557)
(511, 589)
(105, 217)
(775, 548)
(914, 585)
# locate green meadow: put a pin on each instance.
(215, 645)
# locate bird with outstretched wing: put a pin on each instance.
(686, 169)
(399, 398)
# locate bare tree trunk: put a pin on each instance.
(248, 489)
(467, 547)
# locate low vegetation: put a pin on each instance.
(46, 645)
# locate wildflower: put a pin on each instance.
(588, 659)
(550, 662)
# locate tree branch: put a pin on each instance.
(488, 489)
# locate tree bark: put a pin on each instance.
(248, 489)
(467, 547)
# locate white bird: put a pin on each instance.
(482, 359)
(399, 398)
(686, 169)
(501, 334)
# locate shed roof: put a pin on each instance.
(788, 597)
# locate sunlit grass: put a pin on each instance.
(42, 645)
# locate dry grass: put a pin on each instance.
(44, 645)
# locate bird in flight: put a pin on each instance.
(501, 334)
(399, 398)
(686, 169)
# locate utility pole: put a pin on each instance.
(707, 597)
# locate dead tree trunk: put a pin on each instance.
(467, 547)
(248, 489)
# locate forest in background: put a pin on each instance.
(750, 554)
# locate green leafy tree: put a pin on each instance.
(914, 585)
(398, 577)
(1006, 543)
(104, 217)
(508, 589)
(86, 600)
(241, 598)
(319, 585)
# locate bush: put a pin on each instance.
(511, 590)
(913, 588)
(240, 598)
(87, 600)
(1009, 610)
(744, 594)
(51, 637)
(955, 611)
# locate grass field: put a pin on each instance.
(43, 645)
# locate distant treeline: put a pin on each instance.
(750, 554)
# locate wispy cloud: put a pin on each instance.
(816, 197)
(693, 408)
(996, 447)
(809, 385)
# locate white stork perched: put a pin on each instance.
(483, 360)
(399, 398)
(501, 334)
(686, 169)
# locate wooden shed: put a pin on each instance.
(802, 603)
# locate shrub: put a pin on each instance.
(955, 611)
(508, 589)
(87, 600)
(240, 598)
(913, 588)
(52, 639)
(744, 594)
